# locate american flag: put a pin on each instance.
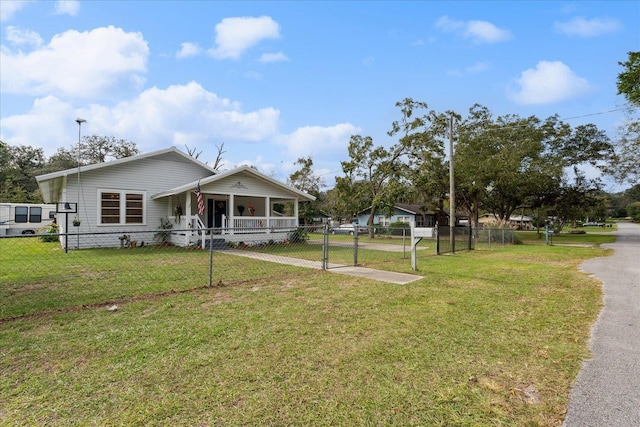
(200, 200)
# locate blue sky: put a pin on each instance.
(275, 81)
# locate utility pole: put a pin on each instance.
(452, 192)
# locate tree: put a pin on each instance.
(18, 171)
(629, 80)
(192, 152)
(423, 138)
(305, 180)
(634, 211)
(218, 162)
(98, 149)
(625, 165)
(576, 200)
(371, 178)
(503, 163)
(511, 163)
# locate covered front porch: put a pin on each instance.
(232, 204)
(232, 217)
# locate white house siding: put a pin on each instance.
(150, 176)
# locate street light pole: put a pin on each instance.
(452, 194)
(79, 122)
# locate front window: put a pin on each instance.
(404, 219)
(383, 221)
(121, 207)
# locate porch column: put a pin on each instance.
(295, 212)
(267, 211)
(232, 214)
(187, 211)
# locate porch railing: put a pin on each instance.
(255, 223)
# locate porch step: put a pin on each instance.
(218, 244)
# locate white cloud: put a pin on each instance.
(477, 31)
(583, 27)
(67, 7)
(89, 64)
(188, 49)
(273, 57)
(549, 82)
(9, 7)
(21, 37)
(155, 119)
(235, 35)
(47, 125)
(318, 142)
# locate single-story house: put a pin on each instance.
(134, 194)
(518, 222)
(405, 213)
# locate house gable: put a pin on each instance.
(148, 166)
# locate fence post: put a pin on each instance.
(404, 250)
(210, 258)
(470, 235)
(325, 246)
(355, 245)
(437, 230)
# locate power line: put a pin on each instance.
(593, 114)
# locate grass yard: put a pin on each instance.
(487, 338)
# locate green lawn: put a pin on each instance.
(487, 338)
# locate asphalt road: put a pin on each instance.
(607, 390)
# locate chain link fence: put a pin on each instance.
(489, 237)
(78, 266)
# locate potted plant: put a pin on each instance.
(76, 221)
(178, 213)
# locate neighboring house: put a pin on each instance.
(405, 213)
(518, 222)
(521, 222)
(133, 194)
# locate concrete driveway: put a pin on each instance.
(607, 390)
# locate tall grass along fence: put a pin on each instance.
(78, 266)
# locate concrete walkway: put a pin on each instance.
(370, 273)
(607, 390)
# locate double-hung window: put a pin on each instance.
(35, 214)
(383, 221)
(28, 214)
(22, 214)
(405, 219)
(119, 207)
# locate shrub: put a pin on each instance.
(50, 233)
(164, 234)
(299, 235)
(398, 228)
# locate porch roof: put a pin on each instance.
(221, 175)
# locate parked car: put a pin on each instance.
(348, 229)
(593, 224)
